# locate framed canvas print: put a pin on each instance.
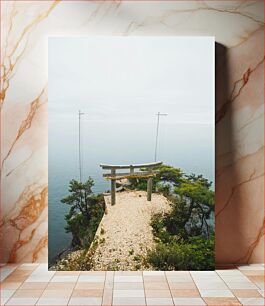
(131, 153)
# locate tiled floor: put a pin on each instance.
(33, 284)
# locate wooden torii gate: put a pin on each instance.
(113, 176)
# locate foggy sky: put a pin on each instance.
(129, 79)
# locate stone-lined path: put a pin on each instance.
(125, 234)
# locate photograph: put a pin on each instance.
(131, 153)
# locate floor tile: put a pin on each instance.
(155, 278)
(128, 286)
(156, 285)
(95, 273)
(7, 293)
(218, 301)
(42, 270)
(211, 285)
(261, 292)
(109, 284)
(87, 285)
(182, 286)
(135, 301)
(56, 294)
(235, 278)
(87, 293)
(256, 278)
(216, 293)
(179, 279)
(38, 278)
(246, 293)
(43, 266)
(21, 273)
(252, 272)
(232, 272)
(159, 301)
(260, 285)
(242, 285)
(85, 301)
(6, 271)
(205, 274)
(107, 297)
(29, 266)
(128, 273)
(22, 301)
(53, 301)
(28, 293)
(128, 279)
(9, 265)
(252, 301)
(15, 278)
(149, 293)
(65, 273)
(34, 286)
(188, 301)
(61, 286)
(128, 293)
(91, 278)
(209, 280)
(215, 278)
(10, 286)
(109, 274)
(182, 293)
(251, 267)
(109, 280)
(30, 284)
(153, 273)
(177, 273)
(64, 279)
(3, 300)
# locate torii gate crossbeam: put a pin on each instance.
(147, 173)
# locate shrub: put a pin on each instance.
(196, 254)
(85, 213)
(159, 229)
(164, 189)
(184, 237)
(138, 183)
(164, 174)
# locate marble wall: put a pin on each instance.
(238, 27)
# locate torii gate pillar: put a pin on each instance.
(149, 189)
(113, 188)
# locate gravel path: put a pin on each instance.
(125, 234)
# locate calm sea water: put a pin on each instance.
(187, 146)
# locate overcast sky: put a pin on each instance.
(129, 79)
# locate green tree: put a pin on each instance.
(169, 174)
(184, 236)
(195, 204)
(166, 176)
(80, 196)
(197, 253)
(85, 213)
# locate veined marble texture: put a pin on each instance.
(238, 28)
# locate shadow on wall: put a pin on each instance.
(225, 150)
(222, 137)
(223, 143)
